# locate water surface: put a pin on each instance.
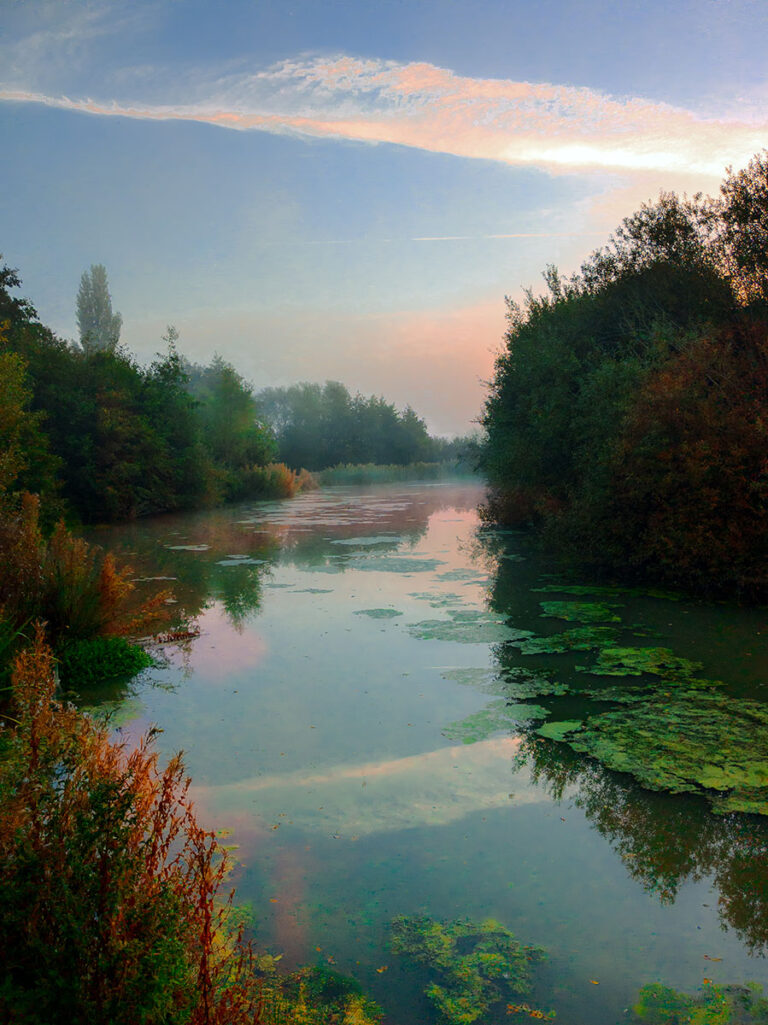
(351, 642)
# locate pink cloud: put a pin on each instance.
(559, 128)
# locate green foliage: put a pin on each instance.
(476, 963)
(109, 884)
(99, 326)
(627, 414)
(87, 662)
(715, 1005)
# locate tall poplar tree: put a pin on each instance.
(99, 326)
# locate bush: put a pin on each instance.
(75, 588)
(276, 480)
(100, 658)
(109, 884)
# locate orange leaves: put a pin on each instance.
(107, 871)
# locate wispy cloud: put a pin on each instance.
(560, 128)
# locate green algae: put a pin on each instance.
(608, 591)
(691, 741)
(495, 717)
(438, 601)
(475, 964)
(581, 611)
(639, 661)
(520, 684)
(559, 730)
(468, 575)
(393, 564)
(378, 613)
(580, 638)
(715, 1005)
(466, 627)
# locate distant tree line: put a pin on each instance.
(318, 426)
(628, 413)
(102, 438)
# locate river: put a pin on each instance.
(342, 717)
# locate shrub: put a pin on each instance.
(75, 588)
(110, 885)
(97, 659)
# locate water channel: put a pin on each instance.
(345, 723)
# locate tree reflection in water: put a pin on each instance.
(665, 840)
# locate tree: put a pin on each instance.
(745, 219)
(99, 326)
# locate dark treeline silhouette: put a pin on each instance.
(628, 410)
(318, 426)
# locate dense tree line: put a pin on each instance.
(318, 426)
(103, 438)
(628, 414)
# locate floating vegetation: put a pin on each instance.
(608, 591)
(716, 1005)
(466, 627)
(581, 611)
(559, 730)
(366, 542)
(240, 560)
(463, 574)
(638, 661)
(378, 613)
(580, 638)
(438, 601)
(498, 715)
(519, 684)
(690, 741)
(476, 963)
(393, 564)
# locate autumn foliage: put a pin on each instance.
(110, 887)
(628, 412)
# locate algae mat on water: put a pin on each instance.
(689, 741)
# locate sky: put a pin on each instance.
(348, 189)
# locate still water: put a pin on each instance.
(341, 719)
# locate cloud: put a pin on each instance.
(555, 127)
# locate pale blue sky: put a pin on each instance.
(345, 228)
